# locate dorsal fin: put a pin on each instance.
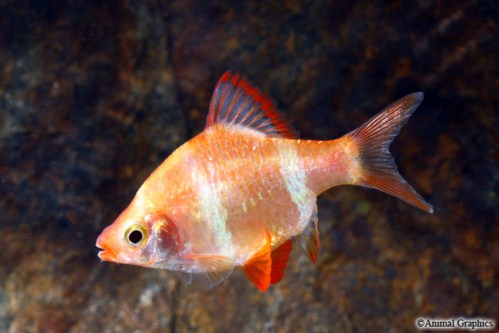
(236, 102)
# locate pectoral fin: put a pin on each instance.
(211, 270)
(259, 267)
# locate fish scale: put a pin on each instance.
(239, 193)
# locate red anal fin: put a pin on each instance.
(280, 258)
(373, 138)
(258, 268)
(236, 102)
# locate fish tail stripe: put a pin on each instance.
(372, 140)
(213, 211)
(295, 178)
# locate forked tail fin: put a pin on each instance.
(373, 138)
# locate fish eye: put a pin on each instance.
(135, 235)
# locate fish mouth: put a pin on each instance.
(107, 254)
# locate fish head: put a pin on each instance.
(139, 237)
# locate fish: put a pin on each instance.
(244, 190)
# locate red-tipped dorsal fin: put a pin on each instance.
(259, 266)
(236, 102)
(372, 139)
(280, 258)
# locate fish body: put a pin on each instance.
(238, 193)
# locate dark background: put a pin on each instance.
(95, 94)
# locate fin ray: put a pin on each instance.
(211, 269)
(236, 102)
(309, 238)
(280, 258)
(258, 267)
(373, 139)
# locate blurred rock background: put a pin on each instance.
(95, 94)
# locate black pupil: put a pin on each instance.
(135, 236)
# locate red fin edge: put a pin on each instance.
(236, 102)
(280, 258)
(258, 268)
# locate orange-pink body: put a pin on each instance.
(235, 193)
(229, 186)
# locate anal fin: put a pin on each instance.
(280, 258)
(309, 238)
(258, 268)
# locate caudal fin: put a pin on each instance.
(373, 138)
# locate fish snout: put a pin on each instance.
(102, 243)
